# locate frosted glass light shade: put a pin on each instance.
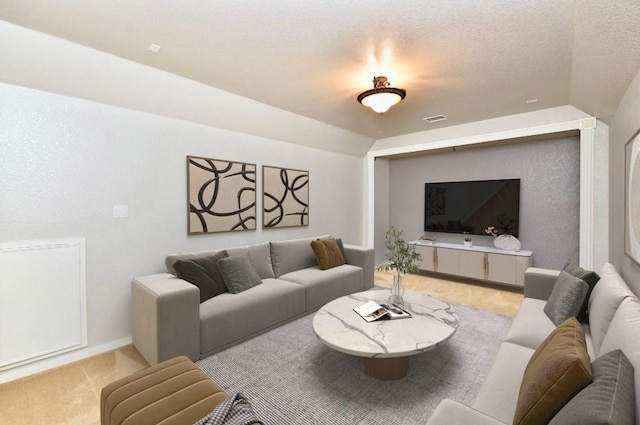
(381, 102)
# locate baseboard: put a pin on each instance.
(60, 360)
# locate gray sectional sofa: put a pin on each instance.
(614, 324)
(168, 319)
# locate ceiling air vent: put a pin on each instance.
(435, 118)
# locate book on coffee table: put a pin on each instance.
(372, 311)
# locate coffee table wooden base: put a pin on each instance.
(388, 369)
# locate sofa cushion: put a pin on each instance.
(230, 318)
(623, 335)
(566, 298)
(327, 253)
(604, 301)
(498, 395)
(530, 325)
(238, 273)
(203, 273)
(260, 256)
(558, 369)
(322, 286)
(589, 277)
(291, 255)
(608, 400)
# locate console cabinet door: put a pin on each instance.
(472, 264)
(501, 268)
(428, 256)
(447, 260)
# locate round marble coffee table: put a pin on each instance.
(385, 345)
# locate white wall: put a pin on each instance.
(625, 124)
(66, 162)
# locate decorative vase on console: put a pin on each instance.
(501, 237)
(403, 258)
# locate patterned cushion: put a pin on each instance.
(327, 253)
(566, 298)
(557, 370)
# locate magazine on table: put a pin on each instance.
(372, 311)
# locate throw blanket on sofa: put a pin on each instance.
(234, 410)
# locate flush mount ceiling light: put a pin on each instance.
(381, 97)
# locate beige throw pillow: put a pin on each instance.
(558, 370)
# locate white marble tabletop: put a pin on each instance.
(339, 327)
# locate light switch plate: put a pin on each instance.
(120, 211)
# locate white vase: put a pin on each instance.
(468, 244)
(507, 243)
(397, 291)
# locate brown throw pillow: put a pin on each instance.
(327, 253)
(559, 369)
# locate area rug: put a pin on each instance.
(290, 377)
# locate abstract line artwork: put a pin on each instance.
(285, 197)
(222, 195)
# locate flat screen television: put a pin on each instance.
(470, 207)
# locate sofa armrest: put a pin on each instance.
(362, 257)
(165, 317)
(538, 283)
(451, 412)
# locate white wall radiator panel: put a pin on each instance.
(42, 300)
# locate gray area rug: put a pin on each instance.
(290, 377)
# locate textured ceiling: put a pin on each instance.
(467, 59)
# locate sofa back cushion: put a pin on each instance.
(623, 335)
(260, 257)
(605, 298)
(291, 255)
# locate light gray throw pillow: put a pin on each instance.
(238, 273)
(608, 400)
(566, 298)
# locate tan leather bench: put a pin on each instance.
(174, 392)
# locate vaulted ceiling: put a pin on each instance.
(466, 59)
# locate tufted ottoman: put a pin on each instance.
(174, 392)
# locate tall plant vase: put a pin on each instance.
(397, 291)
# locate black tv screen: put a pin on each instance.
(472, 206)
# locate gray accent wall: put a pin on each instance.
(549, 199)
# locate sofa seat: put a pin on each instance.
(531, 326)
(499, 392)
(228, 318)
(322, 286)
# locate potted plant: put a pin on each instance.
(403, 258)
(468, 242)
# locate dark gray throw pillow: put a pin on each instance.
(566, 298)
(238, 273)
(203, 273)
(608, 400)
(589, 277)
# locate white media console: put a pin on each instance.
(476, 262)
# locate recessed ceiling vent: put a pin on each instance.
(435, 118)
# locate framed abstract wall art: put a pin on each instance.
(632, 199)
(222, 195)
(285, 197)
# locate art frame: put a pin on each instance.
(632, 198)
(221, 195)
(285, 197)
